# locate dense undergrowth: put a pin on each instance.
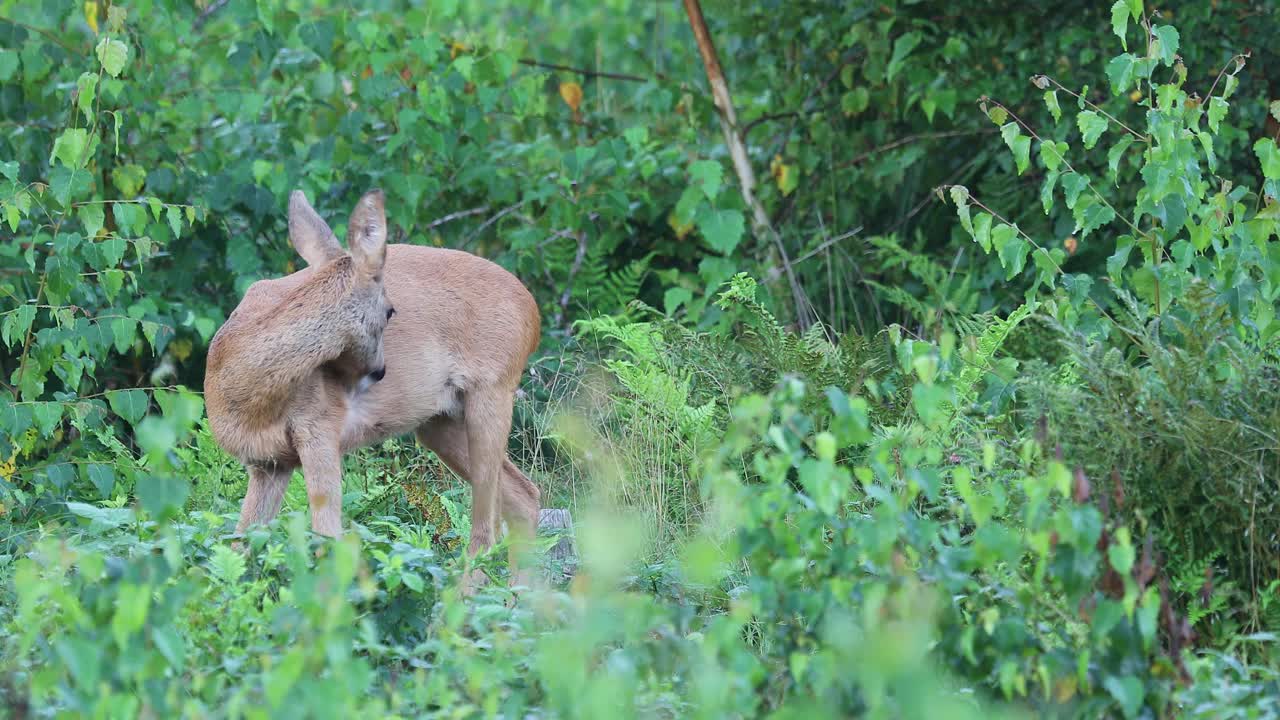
(1010, 450)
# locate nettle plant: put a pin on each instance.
(77, 230)
(1186, 225)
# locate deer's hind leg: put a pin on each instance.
(264, 496)
(518, 498)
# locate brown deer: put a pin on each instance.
(368, 344)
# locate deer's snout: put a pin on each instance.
(378, 374)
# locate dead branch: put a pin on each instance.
(760, 224)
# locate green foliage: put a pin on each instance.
(1149, 422)
(1019, 464)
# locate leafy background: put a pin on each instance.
(980, 419)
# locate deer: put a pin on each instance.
(370, 343)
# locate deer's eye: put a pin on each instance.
(390, 312)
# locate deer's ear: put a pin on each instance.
(310, 235)
(367, 234)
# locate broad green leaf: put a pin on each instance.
(1096, 215)
(1206, 143)
(68, 185)
(113, 55)
(131, 603)
(1166, 37)
(1116, 152)
(723, 229)
(1269, 155)
(112, 281)
(46, 416)
(174, 216)
(1120, 21)
(103, 478)
(131, 218)
(413, 581)
(982, 230)
(82, 657)
(1128, 691)
(206, 327)
(184, 409)
(960, 196)
(129, 180)
(674, 298)
(71, 148)
(13, 330)
(1120, 72)
(1046, 191)
(1051, 101)
(169, 641)
(902, 47)
(1047, 265)
(1229, 85)
(283, 676)
(92, 218)
(9, 169)
(1020, 145)
(855, 101)
(86, 92)
(8, 64)
(1117, 261)
(709, 175)
(1011, 248)
(464, 64)
(1072, 185)
(1092, 125)
(159, 496)
(128, 404)
(125, 332)
(1052, 154)
(101, 517)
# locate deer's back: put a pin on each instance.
(461, 322)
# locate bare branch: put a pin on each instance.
(589, 73)
(213, 7)
(760, 224)
(456, 216)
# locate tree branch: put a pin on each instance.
(760, 225)
(456, 216)
(589, 73)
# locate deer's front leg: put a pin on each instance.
(322, 470)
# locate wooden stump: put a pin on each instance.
(564, 555)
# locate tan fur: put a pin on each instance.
(287, 381)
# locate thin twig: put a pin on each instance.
(213, 7)
(500, 214)
(907, 140)
(41, 31)
(1238, 57)
(573, 272)
(1084, 100)
(804, 104)
(774, 272)
(589, 73)
(456, 216)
